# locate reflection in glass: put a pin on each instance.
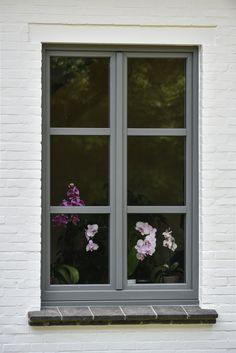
(156, 170)
(79, 89)
(79, 247)
(152, 256)
(156, 93)
(84, 161)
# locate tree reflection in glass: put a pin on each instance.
(156, 170)
(156, 93)
(79, 91)
(84, 160)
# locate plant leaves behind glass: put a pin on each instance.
(165, 270)
(156, 273)
(175, 267)
(132, 262)
(66, 274)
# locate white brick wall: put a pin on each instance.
(211, 23)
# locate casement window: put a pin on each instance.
(120, 175)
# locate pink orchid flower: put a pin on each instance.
(145, 247)
(74, 218)
(60, 220)
(73, 191)
(91, 246)
(91, 230)
(169, 241)
(144, 228)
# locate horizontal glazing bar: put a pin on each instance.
(159, 55)
(79, 131)
(83, 287)
(156, 209)
(80, 209)
(157, 132)
(79, 53)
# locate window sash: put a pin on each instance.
(118, 208)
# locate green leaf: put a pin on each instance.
(159, 278)
(73, 273)
(157, 271)
(67, 274)
(132, 261)
(62, 275)
(174, 266)
(165, 267)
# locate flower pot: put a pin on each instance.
(131, 281)
(171, 279)
(143, 281)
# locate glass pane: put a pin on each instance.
(79, 88)
(83, 161)
(156, 93)
(152, 256)
(156, 170)
(79, 249)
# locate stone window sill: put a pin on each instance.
(125, 314)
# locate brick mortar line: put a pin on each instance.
(185, 311)
(60, 313)
(123, 312)
(156, 315)
(91, 312)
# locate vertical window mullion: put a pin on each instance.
(188, 172)
(195, 171)
(119, 212)
(125, 168)
(112, 176)
(46, 174)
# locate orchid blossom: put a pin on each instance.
(147, 246)
(91, 246)
(169, 241)
(144, 228)
(73, 195)
(73, 200)
(60, 220)
(91, 230)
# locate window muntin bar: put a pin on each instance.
(80, 131)
(80, 209)
(156, 132)
(157, 209)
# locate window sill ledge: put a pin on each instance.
(127, 314)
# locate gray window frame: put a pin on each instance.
(118, 291)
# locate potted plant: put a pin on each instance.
(170, 271)
(138, 269)
(77, 237)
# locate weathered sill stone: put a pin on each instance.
(125, 314)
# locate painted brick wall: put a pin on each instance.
(20, 186)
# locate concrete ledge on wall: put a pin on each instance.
(122, 34)
(125, 314)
